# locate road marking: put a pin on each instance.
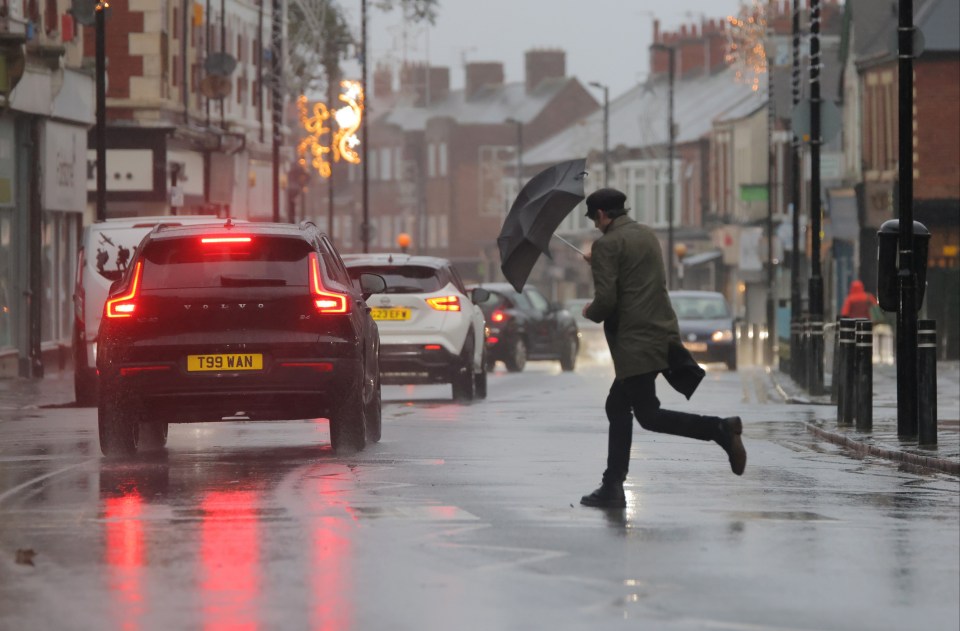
(11, 492)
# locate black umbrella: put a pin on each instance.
(542, 204)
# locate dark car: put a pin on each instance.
(593, 342)
(237, 322)
(706, 326)
(525, 325)
(431, 330)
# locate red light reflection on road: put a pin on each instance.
(332, 591)
(230, 554)
(125, 557)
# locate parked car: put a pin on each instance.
(593, 343)
(431, 329)
(106, 250)
(526, 326)
(706, 326)
(254, 321)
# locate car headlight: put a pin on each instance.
(723, 335)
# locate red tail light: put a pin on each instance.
(79, 295)
(325, 301)
(498, 316)
(445, 303)
(223, 240)
(124, 306)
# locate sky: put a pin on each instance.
(605, 40)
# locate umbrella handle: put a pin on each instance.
(570, 244)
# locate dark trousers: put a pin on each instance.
(638, 395)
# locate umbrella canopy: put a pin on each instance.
(542, 204)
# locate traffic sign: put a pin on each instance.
(220, 64)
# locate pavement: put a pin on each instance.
(19, 396)
(883, 441)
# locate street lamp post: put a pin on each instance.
(365, 142)
(101, 135)
(519, 125)
(671, 149)
(815, 283)
(606, 130)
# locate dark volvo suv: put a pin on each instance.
(224, 321)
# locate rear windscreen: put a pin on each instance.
(403, 279)
(700, 307)
(263, 262)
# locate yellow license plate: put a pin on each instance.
(225, 362)
(695, 347)
(394, 313)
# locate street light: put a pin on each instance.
(606, 130)
(671, 142)
(101, 96)
(519, 125)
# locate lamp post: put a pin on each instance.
(365, 141)
(815, 282)
(101, 135)
(519, 125)
(606, 130)
(671, 148)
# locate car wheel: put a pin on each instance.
(118, 423)
(568, 354)
(517, 359)
(480, 381)
(84, 378)
(463, 383)
(732, 360)
(373, 414)
(347, 424)
(153, 435)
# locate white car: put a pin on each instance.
(431, 329)
(105, 250)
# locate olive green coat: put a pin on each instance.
(630, 298)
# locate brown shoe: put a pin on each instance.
(607, 496)
(732, 443)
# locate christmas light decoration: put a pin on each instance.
(322, 145)
(746, 43)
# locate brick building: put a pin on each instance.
(437, 156)
(872, 144)
(174, 126)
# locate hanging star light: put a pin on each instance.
(322, 146)
(746, 43)
(348, 118)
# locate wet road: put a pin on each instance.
(467, 517)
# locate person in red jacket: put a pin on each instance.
(858, 302)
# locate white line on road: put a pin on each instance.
(11, 492)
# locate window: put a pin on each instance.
(385, 172)
(538, 301)
(640, 203)
(431, 161)
(180, 264)
(404, 279)
(444, 234)
(442, 159)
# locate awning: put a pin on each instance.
(699, 259)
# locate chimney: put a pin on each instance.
(481, 74)
(383, 82)
(544, 64)
(426, 84)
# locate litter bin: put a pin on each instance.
(888, 241)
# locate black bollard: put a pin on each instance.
(845, 396)
(927, 382)
(863, 367)
(795, 349)
(834, 373)
(802, 357)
